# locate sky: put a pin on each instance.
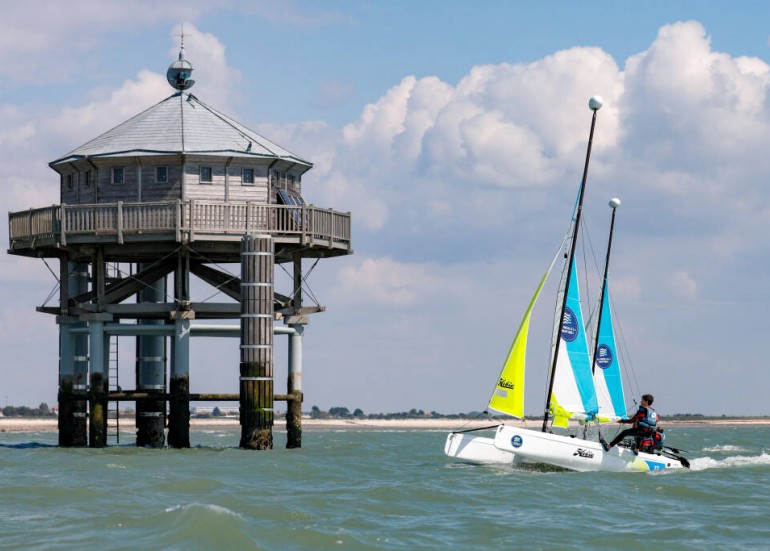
(455, 133)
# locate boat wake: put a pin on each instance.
(704, 463)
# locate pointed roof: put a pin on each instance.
(181, 124)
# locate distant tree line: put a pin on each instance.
(24, 411)
(344, 413)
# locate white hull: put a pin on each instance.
(476, 449)
(576, 454)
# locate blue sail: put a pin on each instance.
(607, 375)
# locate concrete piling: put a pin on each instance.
(256, 366)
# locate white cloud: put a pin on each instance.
(216, 83)
(683, 284)
(384, 282)
(53, 45)
(78, 125)
(688, 107)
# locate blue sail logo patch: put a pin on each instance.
(604, 356)
(516, 441)
(569, 326)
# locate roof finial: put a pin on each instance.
(178, 74)
(181, 46)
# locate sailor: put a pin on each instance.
(644, 422)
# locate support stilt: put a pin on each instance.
(97, 393)
(151, 375)
(73, 359)
(294, 390)
(256, 381)
(179, 406)
(294, 384)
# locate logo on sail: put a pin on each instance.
(604, 356)
(505, 384)
(569, 326)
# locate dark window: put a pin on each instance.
(118, 175)
(161, 174)
(248, 176)
(87, 178)
(205, 175)
(67, 181)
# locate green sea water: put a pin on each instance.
(374, 489)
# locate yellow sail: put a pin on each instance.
(508, 396)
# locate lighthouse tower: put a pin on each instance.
(172, 194)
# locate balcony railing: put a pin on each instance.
(180, 220)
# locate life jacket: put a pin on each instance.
(650, 419)
(654, 441)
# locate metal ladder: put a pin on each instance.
(113, 407)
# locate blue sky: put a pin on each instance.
(455, 133)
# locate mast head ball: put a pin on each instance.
(595, 103)
(614, 202)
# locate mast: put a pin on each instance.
(614, 204)
(595, 103)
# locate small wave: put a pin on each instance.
(703, 463)
(208, 507)
(725, 448)
(28, 445)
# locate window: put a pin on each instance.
(248, 176)
(205, 175)
(290, 198)
(67, 181)
(87, 178)
(161, 174)
(118, 176)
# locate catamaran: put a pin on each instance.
(581, 387)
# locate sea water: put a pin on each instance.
(374, 489)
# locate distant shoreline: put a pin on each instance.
(31, 424)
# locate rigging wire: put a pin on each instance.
(133, 277)
(308, 291)
(116, 266)
(220, 267)
(628, 367)
(55, 287)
